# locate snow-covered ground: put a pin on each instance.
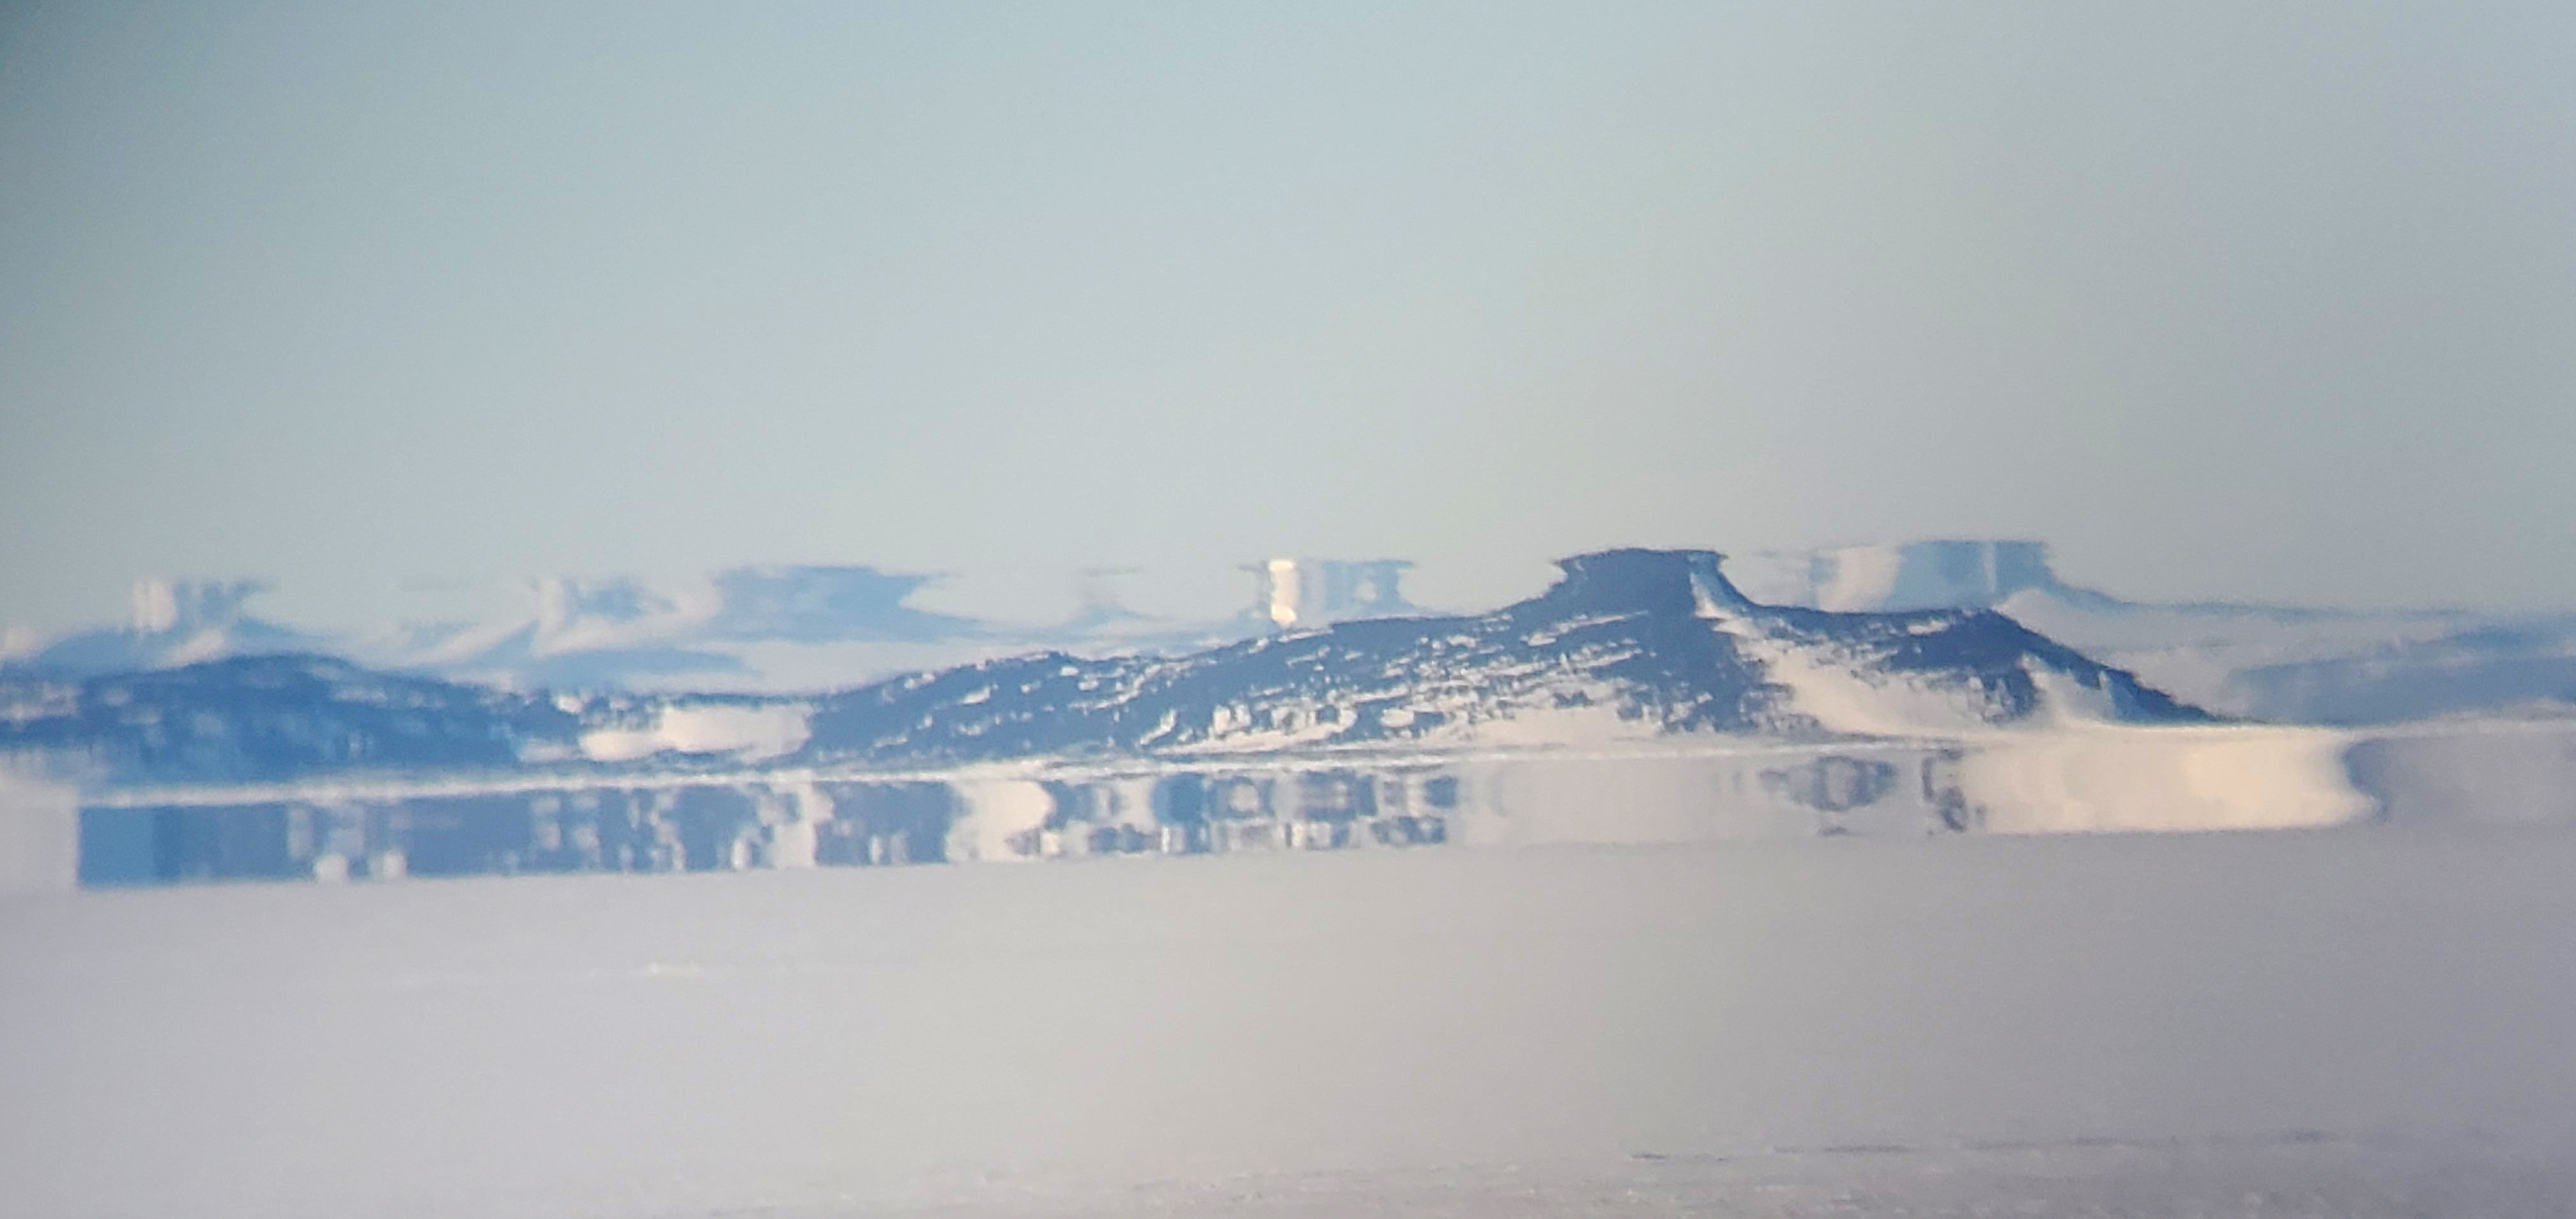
(2359, 1022)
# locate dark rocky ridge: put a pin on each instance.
(1645, 632)
(272, 718)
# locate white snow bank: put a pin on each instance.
(2087, 779)
(749, 733)
(1844, 698)
(994, 809)
(1712, 796)
(2105, 778)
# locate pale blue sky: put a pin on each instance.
(2271, 301)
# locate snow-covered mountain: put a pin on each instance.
(1630, 645)
(2296, 665)
(804, 630)
(746, 627)
(2288, 664)
(173, 622)
(764, 630)
(272, 718)
(804, 627)
(1642, 698)
(801, 629)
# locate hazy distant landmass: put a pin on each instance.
(1644, 697)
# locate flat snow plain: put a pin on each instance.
(2371, 1021)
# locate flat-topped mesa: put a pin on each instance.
(1635, 580)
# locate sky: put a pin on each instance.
(2265, 302)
